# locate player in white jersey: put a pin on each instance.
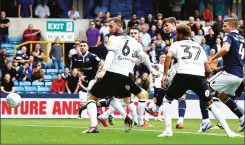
(115, 80)
(191, 72)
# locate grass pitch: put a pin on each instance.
(68, 131)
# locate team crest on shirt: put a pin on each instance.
(87, 59)
(127, 87)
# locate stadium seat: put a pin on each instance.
(10, 52)
(15, 40)
(37, 83)
(43, 90)
(47, 78)
(7, 46)
(52, 72)
(44, 70)
(30, 90)
(16, 83)
(48, 84)
(61, 71)
(25, 83)
(19, 90)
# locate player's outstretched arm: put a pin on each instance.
(108, 60)
(225, 49)
(207, 70)
(143, 57)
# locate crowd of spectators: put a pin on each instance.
(28, 66)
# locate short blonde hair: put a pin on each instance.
(184, 29)
(171, 20)
(232, 22)
(57, 38)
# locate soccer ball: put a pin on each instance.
(13, 100)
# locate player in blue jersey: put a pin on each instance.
(227, 81)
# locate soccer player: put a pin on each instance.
(191, 72)
(90, 64)
(114, 78)
(228, 80)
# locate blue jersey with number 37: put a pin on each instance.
(233, 61)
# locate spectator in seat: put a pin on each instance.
(197, 15)
(176, 8)
(146, 38)
(198, 38)
(159, 26)
(42, 10)
(120, 16)
(150, 21)
(133, 23)
(218, 26)
(229, 14)
(58, 85)
(159, 43)
(72, 82)
(8, 69)
(73, 14)
(31, 62)
(145, 81)
(22, 56)
(4, 58)
(208, 13)
(37, 53)
(73, 50)
(24, 73)
(66, 73)
(100, 8)
(154, 54)
(25, 8)
(99, 16)
(97, 23)
(241, 28)
(214, 63)
(104, 30)
(205, 47)
(191, 21)
(197, 26)
(55, 10)
(210, 38)
(31, 34)
(206, 27)
(4, 28)
(217, 47)
(37, 73)
(107, 17)
(56, 54)
(142, 23)
(93, 38)
(153, 33)
(7, 85)
(159, 17)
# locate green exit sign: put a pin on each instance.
(60, 26)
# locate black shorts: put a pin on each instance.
(112, 84)
(184, 82)
(156, 90)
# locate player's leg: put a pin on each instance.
(201, 89)
(132, 108)
(206, 123)
(92, 111)
(182, 108)
(141, 106)
(227, 84)
(175, 91)
(83, 96)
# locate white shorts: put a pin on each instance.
(83, 96)
(224, 82)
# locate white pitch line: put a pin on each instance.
(147, 130)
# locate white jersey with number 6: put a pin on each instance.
(191, 57)
(127, 50)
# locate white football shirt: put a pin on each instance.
(127, 50)
(190, 56)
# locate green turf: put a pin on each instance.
(68, 131)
